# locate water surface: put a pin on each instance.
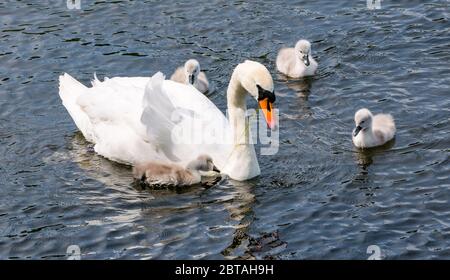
(317, 198)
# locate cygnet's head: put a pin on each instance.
(303, 50)
(202, 163)
(363, 120)
(191, 70)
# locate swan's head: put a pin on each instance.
(191, 70)
(202, 163)
(363, 120)
(303, 51)
(257, 81)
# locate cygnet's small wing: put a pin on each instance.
(286, 61)
(383, 124)
(203, 82)
(113, 110)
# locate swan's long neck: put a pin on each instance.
(237, 106)
(242, 163)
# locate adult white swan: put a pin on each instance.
(140, 119)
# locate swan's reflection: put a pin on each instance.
(161, 213)
(97, 167)
(243, 245)
(240, 209)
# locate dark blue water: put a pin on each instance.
(317, 198)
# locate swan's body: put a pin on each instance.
(372, 131)
(297, 62)
(190, 74)
(137, 120)
(155, 173)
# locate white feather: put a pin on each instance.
(132, 120)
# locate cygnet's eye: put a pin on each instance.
(362, 122)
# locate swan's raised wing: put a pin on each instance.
(114, 110)
(184, 122)
(140, 119)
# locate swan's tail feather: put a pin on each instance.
(95, 81)
(69, 91)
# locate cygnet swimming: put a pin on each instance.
(190, 74)
(372, 131)
(297, 62)
(154, 173)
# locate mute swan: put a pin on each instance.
(141, 119)
(297, 62)
(190, 74)
(372, 131)
(154, 173)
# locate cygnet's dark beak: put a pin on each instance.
(306, 59)
(357, 130)
(191, 79)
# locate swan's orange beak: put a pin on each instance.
(267, 108)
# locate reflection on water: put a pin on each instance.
(364, 157)
(240, 211)
(238, 205)
(301, 88)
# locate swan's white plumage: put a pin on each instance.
(135, 120)
(69, 92)
(131, 120)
